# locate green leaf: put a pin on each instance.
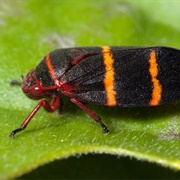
(31, 29)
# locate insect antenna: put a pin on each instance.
(15, 82)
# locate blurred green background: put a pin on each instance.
(32, 28)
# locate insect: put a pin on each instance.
(110, 76)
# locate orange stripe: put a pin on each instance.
(157, 87)
(50, 68)
(109, 76)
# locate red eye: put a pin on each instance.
(30, 79)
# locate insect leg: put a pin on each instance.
(50, 107)
(91, 114)
(60, 106)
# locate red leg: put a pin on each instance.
(50, 107)
(90, 113)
